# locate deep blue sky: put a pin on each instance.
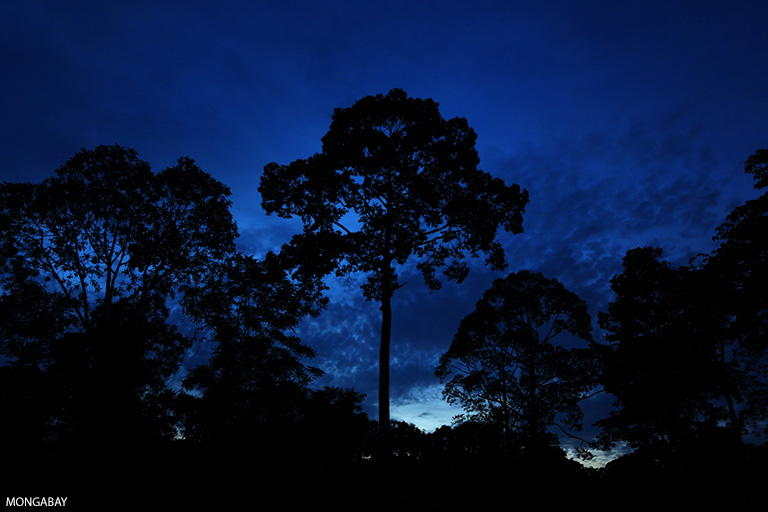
(627, 122)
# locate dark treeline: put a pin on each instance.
(112, 275)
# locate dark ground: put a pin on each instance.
(180, 479)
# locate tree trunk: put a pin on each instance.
(386, 334)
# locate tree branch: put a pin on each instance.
(342, 226)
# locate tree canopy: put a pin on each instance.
(101, 249)
(115, 280)
(111, 274)
(739, 270)
(395, 180)
(256, 378)
(504, 368)
(662, 362)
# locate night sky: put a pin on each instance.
(627, 122)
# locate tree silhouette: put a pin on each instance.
(662, 362)
(394, 180)
(102, 248)
(739, 271)
(504, 369)
(252, 388)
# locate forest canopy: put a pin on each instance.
(110, 273)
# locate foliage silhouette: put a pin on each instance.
(394, 181)
(91, 261)
(687, 358)
(663, 363)
(504, 369)
(255, 381)
(739, 269)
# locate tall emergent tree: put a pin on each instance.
(394, 180)
(102, 247)
(505, 368)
